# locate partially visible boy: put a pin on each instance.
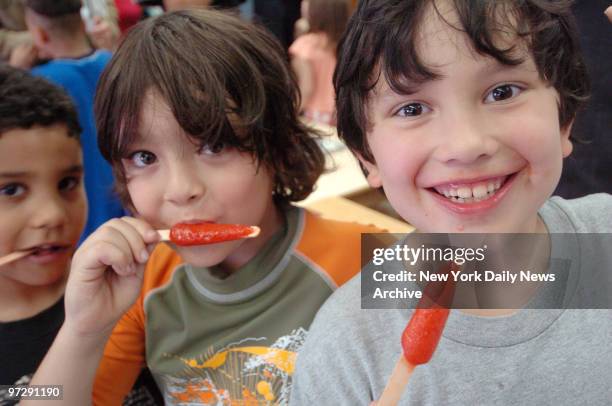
(462, 111)
(59, 34)
(42, 207)
(16, 42)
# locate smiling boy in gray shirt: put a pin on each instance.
(462, 112)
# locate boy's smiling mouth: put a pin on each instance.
(471, 192)
(472, 196)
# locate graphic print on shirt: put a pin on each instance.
(242, 373)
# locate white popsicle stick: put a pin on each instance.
(14, 256)
(398, 381)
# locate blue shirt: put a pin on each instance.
(79, 77)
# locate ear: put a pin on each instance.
(566, 144)
(372, 172)
(39, 34)
(43, 35)
(40, 37)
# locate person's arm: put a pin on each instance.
(104, 34)
(609, 13)
(105, 280)
(71, 362)
(123, 359)
(24, 56)
(9, 40)
(300, 52)
(304, 75)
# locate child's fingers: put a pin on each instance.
(93, 253)
(132, 238)
(148, 233)
(101, 254)
(116, 258)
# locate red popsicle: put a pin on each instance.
(207, 233)
(420, 337)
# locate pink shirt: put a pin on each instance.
(313, 48)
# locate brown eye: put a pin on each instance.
(12, 190)
(501, 93)
(411, 110)
(142, 159)
(68, 183)
(212, 150)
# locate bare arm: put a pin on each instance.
(72, 362)
(105, 280)
(303, 71)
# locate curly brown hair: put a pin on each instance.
(210, 66)
(380, 41)
(27, 101)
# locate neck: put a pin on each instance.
(270, 224)
(19, 301)
(510, 255)
(72, 48)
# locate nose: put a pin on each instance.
(51, 212)
(184, 184)
(466, 139)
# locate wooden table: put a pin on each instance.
(344, 177)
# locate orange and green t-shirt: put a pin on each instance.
(233, 340)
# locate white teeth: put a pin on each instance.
(464, 192)
(479, 191)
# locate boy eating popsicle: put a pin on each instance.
(42, 212)
(197, 113)
(462, 112)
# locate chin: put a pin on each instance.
(202, 257)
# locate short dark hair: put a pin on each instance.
(62, 18)
(27, 101)
(53, 8)
(208, 65)
(380, 42)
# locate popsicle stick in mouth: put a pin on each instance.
(207, 233)
(13, 256)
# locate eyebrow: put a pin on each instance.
(74, 169)
(487, 70)
(496, 67)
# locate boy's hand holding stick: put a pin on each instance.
(107, 270)
(105, 280)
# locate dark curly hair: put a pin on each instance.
(380, 41)
(208, 65)
(27, 101)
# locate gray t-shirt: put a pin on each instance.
(532, 357)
